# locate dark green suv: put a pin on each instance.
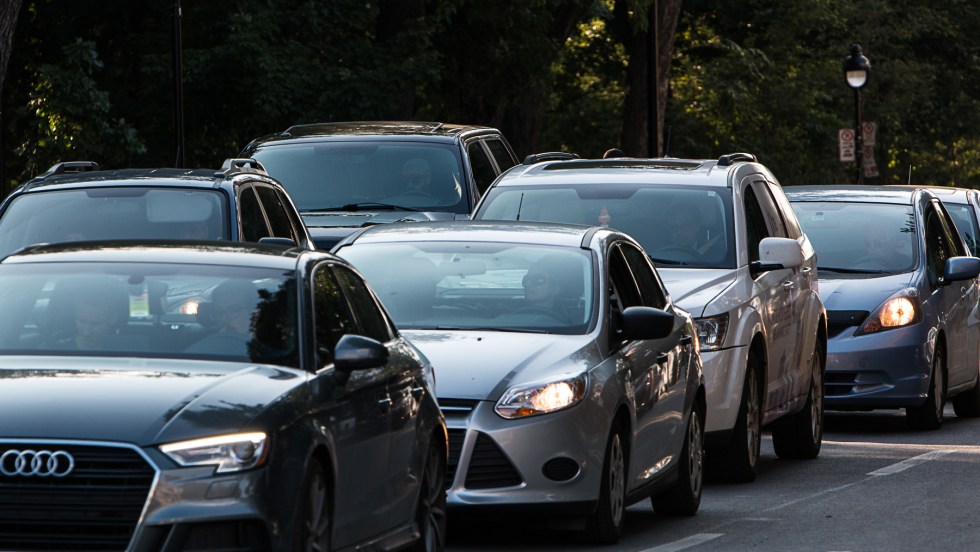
(343, 176)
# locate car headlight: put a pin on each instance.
(229, 453)
(711, 331)
(899, 310)
(542, 397)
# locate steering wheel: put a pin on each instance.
(687, 253)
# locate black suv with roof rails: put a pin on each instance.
(75, 201)
(347, 175)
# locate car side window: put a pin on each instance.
(786, 212)
(500, 154)
(949, 230)
(278, 218)
(651, 291)
(294, 219)
(370, 320)
(937, 251)
(331, 317)
(755, 223)
(253, 225)
(483, 171)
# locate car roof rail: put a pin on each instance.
(64, 167)
(726, 160)
(234, 166)
(549, 156)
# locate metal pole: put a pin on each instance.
(858, 137)
(653, 66)
(178, 89)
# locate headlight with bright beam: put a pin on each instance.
(541, 397)
(228, 453)
(899, 310)
(711, 331)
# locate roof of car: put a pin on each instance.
(537, 233)
(624, 170)
(375, 130)
(947, 194)
(851, 193)
(204, 253)
(196, 178)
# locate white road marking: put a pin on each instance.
(684, 543)
(911, 462)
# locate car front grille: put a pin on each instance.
(840, 320)
(94, 507)
(489, 467)
(456, 437)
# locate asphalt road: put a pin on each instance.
(877, 486)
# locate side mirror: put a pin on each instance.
(356, 352)
(776, 253)
(646, 323)
(269, 240)
(960, 268)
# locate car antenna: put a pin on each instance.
(667, 143)
(519, 205)
(910, 174)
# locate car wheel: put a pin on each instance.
(683, 498)
(738, 461)
(929, 415)
(430, 513)
(801, 435)
(967, 405)
(605, 525)
(314, 524)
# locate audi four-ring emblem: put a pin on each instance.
(36, 463)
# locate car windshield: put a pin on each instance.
(677, 226)
(471, 285)
(112, 214)
(966, 223)
(148, 310)
(860, 238)
(331, 176)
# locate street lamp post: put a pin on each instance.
(856, 70)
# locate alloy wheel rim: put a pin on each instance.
(695, 453)
(938, 384)
(617, 483)
(753, 431)
(816, 398)
(433, 512)
(318, 523)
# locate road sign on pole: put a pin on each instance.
(868, 131)
(845, 139)
(868, 161)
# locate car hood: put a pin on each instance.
(481, 365)
(141, 401)
(860, 293)
(693, 288)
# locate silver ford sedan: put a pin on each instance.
(570, 382)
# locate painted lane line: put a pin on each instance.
(684, 543)
(911, 462)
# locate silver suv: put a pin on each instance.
(730, 251)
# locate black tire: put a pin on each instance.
(683, 498)
(315, 523)
(430, 513)
(967, 405)
(738, 461)
(605, 525)
(929, 415)
(800, 436)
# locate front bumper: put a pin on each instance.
(724, 373)
(889, 369)
(552, 462)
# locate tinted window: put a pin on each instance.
(870, 237)
(793, 229)
(331, 319)
(937, 246)
(281, 226)
(676, 225)
(329, 175)
(755, 224)
(966, 224)
(253, 222)
(483, 172)
(370, 321)
(651, 292)
(113, 213)
(500, 154)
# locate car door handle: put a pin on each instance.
(789, 285)
(687, 340)
(806, 270)
(662, 358)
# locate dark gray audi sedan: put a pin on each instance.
(210, 397)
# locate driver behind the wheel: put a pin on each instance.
(231, 311)
(418, 176)
(684, 226)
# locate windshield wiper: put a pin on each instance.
(493, 329)
(365, 206)
(852, 270)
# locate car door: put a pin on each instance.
(354, 409)
(404, 379)
(646, 366)
(960, 301)
(777, 292)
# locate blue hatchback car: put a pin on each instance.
(901, 293)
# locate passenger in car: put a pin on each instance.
(230, 311)
(99, 310)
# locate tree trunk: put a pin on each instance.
(635, 138)
(9, 10)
